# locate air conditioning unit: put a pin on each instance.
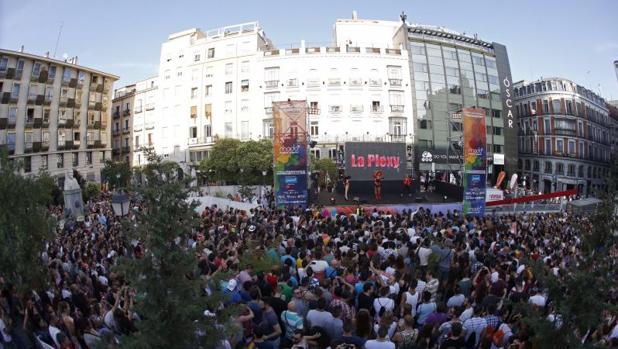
(208, 139)
(192, 141)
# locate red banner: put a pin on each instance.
(532, 198)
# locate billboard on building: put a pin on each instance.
(362, 159)
(290, 153)
(475, 161)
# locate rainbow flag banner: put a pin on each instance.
(290, 153)
(475, 161)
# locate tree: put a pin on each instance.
(25, 226)
(116, 173)
(239, 162)
(91, 191)
(583, 293)
(325, 166)
(172, 302)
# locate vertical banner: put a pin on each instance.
(290, 153)
(475, 161)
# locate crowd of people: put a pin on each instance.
(413, 279)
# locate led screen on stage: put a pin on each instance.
(362, 159)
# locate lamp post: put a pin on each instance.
(120, 204)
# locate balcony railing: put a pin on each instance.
(116, 115)
(395, 82)
(271, 84)
(375, 82)
(313, 110)
(268, 110)
(126, 112)
(396, 108)
(377, 109)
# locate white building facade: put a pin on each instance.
(221, 84)
(54, 115)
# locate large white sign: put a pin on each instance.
(492, 194)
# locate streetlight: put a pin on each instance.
(120, 204)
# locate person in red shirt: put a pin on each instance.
(407, 186)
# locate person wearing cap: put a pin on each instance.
(232, 293)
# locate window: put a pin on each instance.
(12, 115)
(496, 113)
(314, 129)
(229, 67)
(556, 106)
(150, 139)
(244, 85)
(425, 124)
(4, 62)
(193, 111)
(166, 74)
(548, 167)
(36, 69)
(271, 77)
(498, 131)
(66, 75)
(498, 149)
(136, 141)
(196, 57)
(244, 66)
(194, 92)
(178, 72)
(559, 145)
(418, 49)
(547, 126)
(20, 65)
(228, 87)
(43, 162)
(548, 146)
(209, 71)
(208, 110)
(228, 107)
(207, 131)
(60, 162)
(228, 129)
(193, 132)
(208, 90)
(421, 68)
(244, 130)
(52, 72)
(75, 159)
(559, 168)
(211, 52)
(244, 105)
(478, 60)
(452, 72)
(15, 90)
(545, 106)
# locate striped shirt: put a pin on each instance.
(292, 322)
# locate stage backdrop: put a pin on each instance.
(290, 153)
(475, 161)
(362, 159)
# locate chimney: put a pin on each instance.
(47, 54)
(21, 49)
(75, 60)
(354, 15)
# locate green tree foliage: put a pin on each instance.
(116, 173)
(229, 156)
(91, 191)
(582, 294)
(169, 291)
(325, 166)
(25, 226)
(56, 196)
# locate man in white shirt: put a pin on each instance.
(538, 299)
(383, 302)
(382, 342)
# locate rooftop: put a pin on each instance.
(57, 61)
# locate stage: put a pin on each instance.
(391, 202)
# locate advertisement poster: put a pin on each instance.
(475, 161)
(290, 153)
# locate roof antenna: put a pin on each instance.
(403, 16)
(58, 39)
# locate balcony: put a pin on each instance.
(149, 125)
(395, 108)
(313, 111)
(37, 123)
(36, 147)
(29, 122)
(45, 146)
(116, 132)
(334, 109)
(115, 151)
(126, 112)
(48, 100)
(356, 109)
(8, 73)
(313, 83)
(11, 123)
(18, 74)
(150, 106)
(372, 50)
(40, 99)
(292, 83)
(61, 145)
(126, 149)
(116, 115)
(393, 51)
(334, 82)
(43, 75)
(271, 84)
(69, 123)
(351, 49)
(394, 82)
(28, 147)
(268, 110)
(4, 122)
(126, 130)
(356, 82)
(375, 83)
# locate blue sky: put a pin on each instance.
(575, 39)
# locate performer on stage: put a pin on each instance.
(377, 184)
(407, 186)
(346, 186)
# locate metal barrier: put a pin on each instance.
(531, 207)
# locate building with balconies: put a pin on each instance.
(565, 135)
(54, 115)
(122, 122)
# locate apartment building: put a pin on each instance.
(54, 115)
(565, 135)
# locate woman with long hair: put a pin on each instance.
(363, 324)
(346, 186)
